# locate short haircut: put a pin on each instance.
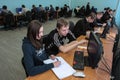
(92, 15)
(23, 6)
(4, 7)
(61, 22)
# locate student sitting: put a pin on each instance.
(8, 18)
(24, 10)
(61, 39)
(83, 25)
(34, 52)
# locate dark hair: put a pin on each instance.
(61, 22)
(23, 6)
(4, 7)
(33, 31)
(51, 6)
(40, 5)
(33, 5)
(92, 15)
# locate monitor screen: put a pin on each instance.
(18, 10)
(115, 71)
(95, 49)
(116, 41)
(0, 10)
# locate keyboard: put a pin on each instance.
(78, 61)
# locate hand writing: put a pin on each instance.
(57, 63)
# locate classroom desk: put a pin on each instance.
(91, 74)
(16, 16)
(1, 20)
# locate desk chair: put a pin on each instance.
(71, 27)
(28, 16)
(9, 21)
(24, 19)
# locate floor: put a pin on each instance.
(11, 52)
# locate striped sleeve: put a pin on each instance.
(56, 40)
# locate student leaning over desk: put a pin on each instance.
(34, 52)
(61, 39)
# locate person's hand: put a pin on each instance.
(52, 57)
(87, 34)
(104, 24)
(82, 41)
(57, 63)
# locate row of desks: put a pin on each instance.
(91, 74)
(18, 15)
(15, 18)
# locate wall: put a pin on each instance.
(118, 15)
(99, 4)
(12, 4)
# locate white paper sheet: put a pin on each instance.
(64, 70)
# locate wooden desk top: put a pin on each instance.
(91, 74)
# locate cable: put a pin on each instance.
(104, 62)
(106, 65)
(103, 69)
(100, 75)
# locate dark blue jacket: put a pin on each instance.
(33, 59)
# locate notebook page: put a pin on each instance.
(64, 70)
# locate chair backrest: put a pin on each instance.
(71, 25)
(28, 16)
(9, 18)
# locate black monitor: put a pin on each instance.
(0, 10)
(116, 41)
(46, 8)
(115, 71)
(95, 50)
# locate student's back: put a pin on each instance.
(80, 28)
(8, 19)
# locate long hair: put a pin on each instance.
(33, 31)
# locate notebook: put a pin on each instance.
(64, 70)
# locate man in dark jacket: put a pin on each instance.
(61, 39)
(83, 25)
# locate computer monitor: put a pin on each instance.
(0, 10)
(95, 50)
(116, 41)
(46, 8)
(18, 10)
(115, 70)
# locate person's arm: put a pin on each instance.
(29, 62)
(67, 47)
